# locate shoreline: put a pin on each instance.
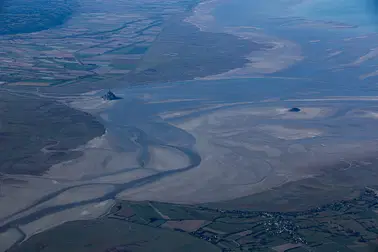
(278, 55)
(37, 186)
(73, 189)
(88, 100)
(207, 16)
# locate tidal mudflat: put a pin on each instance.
(225, 136)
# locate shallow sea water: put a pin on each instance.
(336, 74)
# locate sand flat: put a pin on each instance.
(24, 83)
(84, 212)
(163, 158)
(8, 238)
(286, 133)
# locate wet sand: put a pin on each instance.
(213, 139)
(276, 53)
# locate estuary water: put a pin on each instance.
(232, 135)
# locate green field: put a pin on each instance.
(137, 226)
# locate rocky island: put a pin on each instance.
(110, 96)
(295, 110)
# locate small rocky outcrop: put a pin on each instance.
(295, 110)
(110, 96)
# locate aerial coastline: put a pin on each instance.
(233, 117)
(275, 53)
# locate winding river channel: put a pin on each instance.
(222, 124)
